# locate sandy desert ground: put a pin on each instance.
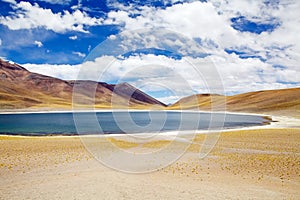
(244, 164)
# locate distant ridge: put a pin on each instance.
(22, 89)
(282, 101)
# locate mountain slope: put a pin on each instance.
(22, 89)
(126, 90)
(283, 101)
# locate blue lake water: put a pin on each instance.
(120, 122)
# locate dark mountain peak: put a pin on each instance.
(10, 66)
(124, 84)
(128, 91)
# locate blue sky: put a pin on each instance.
(252, 45)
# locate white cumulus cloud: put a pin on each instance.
(9, 1)
(210, 23)
(38, 43)
(79, 54)
(66, 72)
(74, 37)
(28, 16)
(61, 2)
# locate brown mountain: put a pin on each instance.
(22, 89)
(283, 101)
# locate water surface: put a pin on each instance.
(120, 122)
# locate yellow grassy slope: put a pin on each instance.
(285, 101)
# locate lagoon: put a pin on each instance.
(118, 122)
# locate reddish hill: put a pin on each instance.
(22, 89)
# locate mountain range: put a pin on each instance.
(22, 89)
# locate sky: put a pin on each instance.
(167, 48)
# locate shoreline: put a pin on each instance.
(130, 110)
(280, 123)
(268, 123)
